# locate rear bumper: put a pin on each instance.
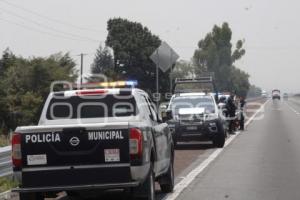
(61, 178)
(77, 187)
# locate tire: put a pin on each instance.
(175, 142)
(166, 182)
(219, 138)
(146, 191)
(30, 196)
(150, 186)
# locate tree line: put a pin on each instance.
(25, 82)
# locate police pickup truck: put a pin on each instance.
(193, 114)
(91, 140)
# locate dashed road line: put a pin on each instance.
(292, 109)
(185, 182)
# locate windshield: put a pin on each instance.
(193, 102)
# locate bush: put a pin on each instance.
(4, 140)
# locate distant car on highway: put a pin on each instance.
(91, 140)
(285, 96)
(276, 94)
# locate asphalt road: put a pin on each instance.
(263, 162)
(187, 157)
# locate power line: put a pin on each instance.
(48, 18)
(47, 27)
(41, 31)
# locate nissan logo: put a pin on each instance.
(74, 141)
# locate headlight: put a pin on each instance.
(211, 116)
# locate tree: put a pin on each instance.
(103, 62)
(25, 83)
(254, 91)
(8, 58)
(133, 45)
(183, 69)
(214, 54)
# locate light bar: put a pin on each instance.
(114, 84)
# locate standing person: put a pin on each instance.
(242, 104)
(231, 108)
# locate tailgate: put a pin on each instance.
(76, 155)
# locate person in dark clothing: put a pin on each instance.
(242, 117)
(231, 109)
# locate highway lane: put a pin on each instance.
(262, 163)
(187, 157)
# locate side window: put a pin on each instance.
(152, 108)
(151, 112)
(146, 105)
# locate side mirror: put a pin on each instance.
(168, 115)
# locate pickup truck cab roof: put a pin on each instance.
(116, 104)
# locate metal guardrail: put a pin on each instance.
(5, 161)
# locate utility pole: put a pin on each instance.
(157, 77)
(171, 70)
(81, 66)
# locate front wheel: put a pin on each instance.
(219, 138)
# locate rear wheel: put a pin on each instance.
(147, 190)
(166, 182)
(150, 187)
(31, 196)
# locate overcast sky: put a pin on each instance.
(271, 29)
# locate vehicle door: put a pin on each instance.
(162, 138)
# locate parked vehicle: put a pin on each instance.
(91, 140)
(195, 116)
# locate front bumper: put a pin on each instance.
(194, 131)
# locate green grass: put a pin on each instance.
(4, 141)
(7, 184)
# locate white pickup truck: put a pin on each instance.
(91, 140)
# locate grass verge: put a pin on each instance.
(7, 184)
(4, 141)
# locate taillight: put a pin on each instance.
(16, 150)
(91, 92)
(136, 143)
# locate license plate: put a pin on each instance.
(191, 128)
(40, 159)
(112, 155)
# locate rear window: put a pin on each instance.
(81, 107)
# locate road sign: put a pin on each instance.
(164, 57)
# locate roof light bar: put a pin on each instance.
(114, 84)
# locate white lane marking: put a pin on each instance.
(292, 109)
(184, 183)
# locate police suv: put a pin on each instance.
(90, 140)
(195, 116)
